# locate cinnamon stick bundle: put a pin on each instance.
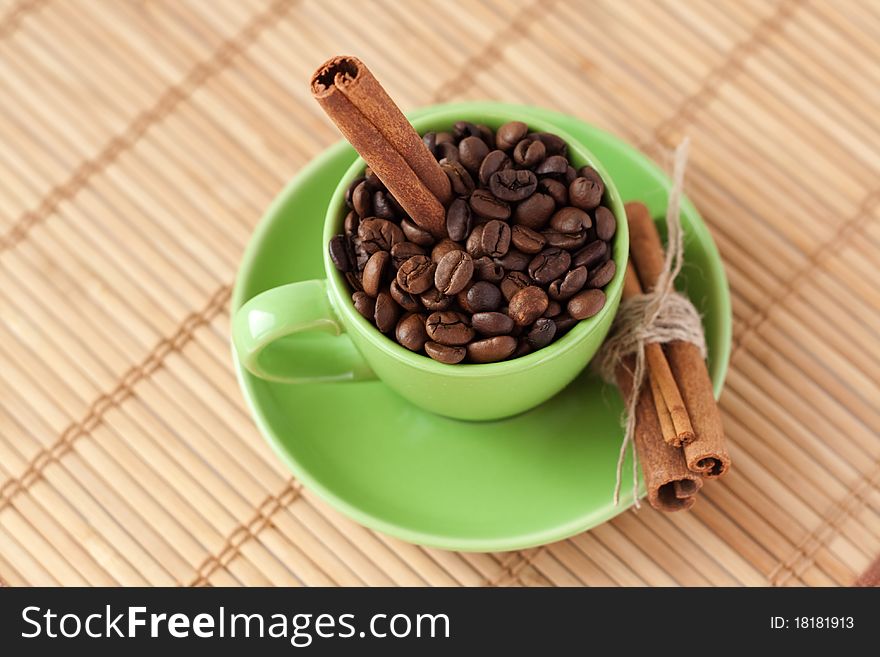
(368, 118)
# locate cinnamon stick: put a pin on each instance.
(707, 453)
(375, 126)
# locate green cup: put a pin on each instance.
(309, 331)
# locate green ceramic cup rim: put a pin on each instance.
(483, 112)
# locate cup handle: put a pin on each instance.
(291, 334)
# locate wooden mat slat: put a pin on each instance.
(145, 141)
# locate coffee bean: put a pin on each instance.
(386, 312)
(592, 175)
(569, 285)
(483, 296)
(554, 144)
(444, 353)
(553, 309)
(491, 323)
(364, 304)
(339, 253)
(448, 151)
(527, 305)
(449, 328)
(453, 272)
(555, 190)
(564, 323)
(404, 299)
(555, 165)
(569, 220)
(549, 264)
(495, 238)
(474, 244)
(584, 193)
(535, 211)
(382, 205)
(458, 219)
(523, 348)
(374, 272)
(570, 175)
(361, 200)
(351, 223)
(429, 139)
(602, 276)
(606, 224)
(443, 137)
(513, 184)
(515, 260)
(510, 134)
(491, 350)
(416, 275)
(434, 300)
(402, 252)
(464, 129)
(586, 304)
(443, 247)
(527, 240)
(590, 254)
(513, 283)
(471, 152)
(410, 331)
(484, 203)
(487, 135)
(349, 192)
(494, 161)
(529, 152)
(542, 333)
(373, 182)
(567, 241)
(486, 269)
(415, 234)
(354, 281)
(459, 178)
(378, 235)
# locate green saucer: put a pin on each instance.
(484, 486)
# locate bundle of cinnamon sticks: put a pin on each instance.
(678, 434)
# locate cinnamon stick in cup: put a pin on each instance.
(707, 453)
(375, 126)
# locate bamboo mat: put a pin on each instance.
(140, 142)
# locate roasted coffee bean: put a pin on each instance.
(569, 285)
(387, 312)
(434, 300)
(591, 254)
(491, 323)
(553, 309)
(515, 260)
(606, 224)
(510, 134)
(416, 275)
(443, 247)
(471, 152)
(555, 190)
(491, 350)
(404, 299)
(354, 281)
(444, 353)
(459, 178)
(483, 296)
(374, 272)
(570, 175)
(458, 219)
(513, 283)
(535, 211)
(429, 139)
(527, 240)
(513, 184)
(415, 234)
(523, 348)
(602, 276)
(349, 192)
(591, 174)
(495, 161)
(364, 304)
(586, 304)
(449, 328)
(361, 200)
(527, 305)
(529, 152)
(474, 244)
(495, 238)
(454, 272)
(569, 220)
(402, 252)
(567, 241)
(487, 135)
(564, 323)
(449, 152)
(555, 165)
(584, 193)
(360, 253)
(443, 137)
(340, 249)
(464, 129)
(554, 144)
(549, 265)
(351, 223)
(373, 181)
(542, 333)
(382, 205)
(378, 235)
(486, 269)
(484, 203)
(410, 331)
